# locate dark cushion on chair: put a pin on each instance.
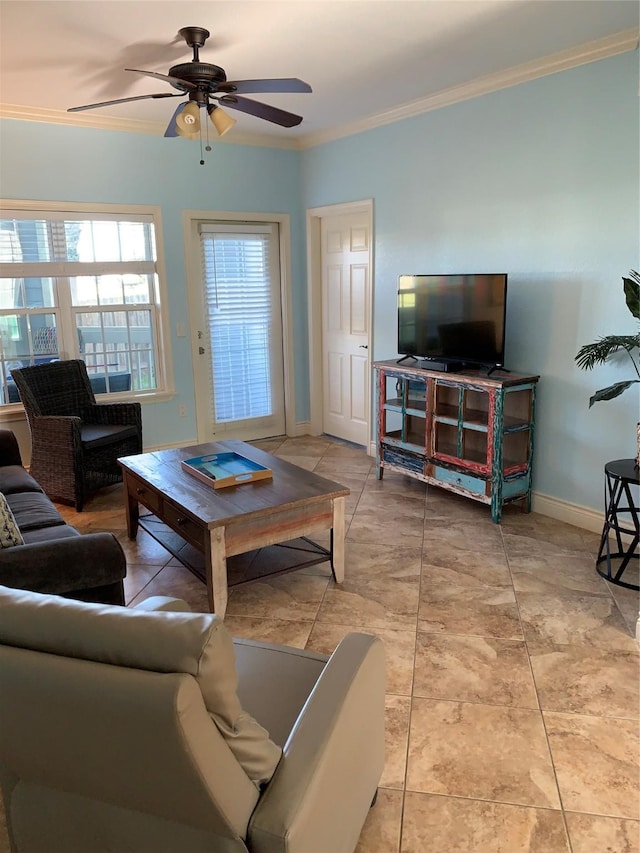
(96, 435)
(117, 382)
(32, 510)
(13, 478)
(14, 397)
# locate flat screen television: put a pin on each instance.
(453, 319)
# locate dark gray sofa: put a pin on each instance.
(55, 558)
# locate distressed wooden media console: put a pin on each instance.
(466, 432)
(226, 522)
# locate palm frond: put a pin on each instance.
(632, 293)
(612, 391)
(600, 351)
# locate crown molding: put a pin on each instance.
(622, 42)
(618, 43)
(46, 116)
(127, 125)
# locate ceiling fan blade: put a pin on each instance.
(277, 84)
(172, 127)
(166, 77)
(265, 111)
(124, 101)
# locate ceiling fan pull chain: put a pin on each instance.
(208, 145)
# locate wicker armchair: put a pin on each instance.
(74, 441)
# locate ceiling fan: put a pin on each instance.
(207, 87)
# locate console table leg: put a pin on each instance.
(216, 563)
(337, 540)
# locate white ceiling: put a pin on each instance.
(362, 59)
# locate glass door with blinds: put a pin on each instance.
(239, 366)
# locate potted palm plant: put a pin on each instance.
(605, 348)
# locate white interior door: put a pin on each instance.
(345, 248)
(239, 359)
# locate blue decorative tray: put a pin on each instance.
(225, 469)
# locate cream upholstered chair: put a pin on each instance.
(122, 730)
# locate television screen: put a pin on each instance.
(453, 318)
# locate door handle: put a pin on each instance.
(363, 346)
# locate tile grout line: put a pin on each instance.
(535, 687)
(413, 675)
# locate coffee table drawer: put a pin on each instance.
(143, 493)
(187, 528)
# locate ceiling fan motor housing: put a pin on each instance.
(202, 74)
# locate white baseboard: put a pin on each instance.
(302, 428)
(579, 516)
(172, 446)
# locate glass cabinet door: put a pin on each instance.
(517, 429)
(404, 412)
(461, 425)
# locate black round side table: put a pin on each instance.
(620, 476)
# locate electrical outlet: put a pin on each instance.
(182, 410)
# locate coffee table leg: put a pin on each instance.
(133, 512)
(216, 562)
(337, 540)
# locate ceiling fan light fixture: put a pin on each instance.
(221, 121)
(188, 121)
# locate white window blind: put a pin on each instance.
(28, 237)
(238, 295)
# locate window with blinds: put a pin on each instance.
(80, 285)
(242, 299)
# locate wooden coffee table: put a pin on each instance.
(221, 523)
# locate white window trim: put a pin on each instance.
(190, 222)
(154, 212)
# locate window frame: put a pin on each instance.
(49, 210)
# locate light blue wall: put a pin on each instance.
(59, 163)
(540, 181)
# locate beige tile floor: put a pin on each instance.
(512, 672)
